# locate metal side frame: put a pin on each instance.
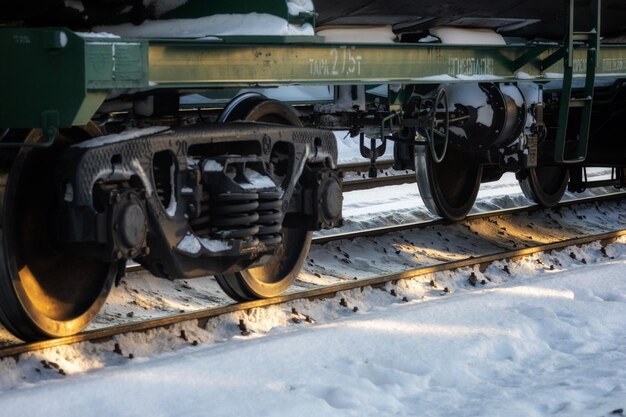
(52, 78)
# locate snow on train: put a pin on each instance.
(101, 163)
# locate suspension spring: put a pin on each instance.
(270, 215)
(234, 215)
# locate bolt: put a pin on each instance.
(119, 254)
(146, 251)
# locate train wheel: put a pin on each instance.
(45, 291)
(276, 275)
(448, 188)
(544, 185)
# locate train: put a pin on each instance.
(176, 134)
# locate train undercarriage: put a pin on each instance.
(100, 162)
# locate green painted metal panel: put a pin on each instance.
(114, 64)
(194, 64)
(54, 76)
(39, 74)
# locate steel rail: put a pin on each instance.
(202, 316)
(319, 240)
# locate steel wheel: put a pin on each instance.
(274, 277)
(544, 185)
(45, 291)
(278, 273)
(448, 188)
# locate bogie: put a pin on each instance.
(217, 183)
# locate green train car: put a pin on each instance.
(125, 135)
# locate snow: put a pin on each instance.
(211, 165)
(215, 245)
(461, 36)
(101, 35)
(428, 39)
(348, 148)
(173, 203)
(193, 244)
(256, 180)
(513, 92)
(250, 24)
(295, 7)
(534, 342)
(189, 244)
(357, 34)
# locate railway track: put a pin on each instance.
(201, 317)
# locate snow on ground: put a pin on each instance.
(537, 340)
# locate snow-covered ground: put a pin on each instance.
(541, 336)
(534, 341)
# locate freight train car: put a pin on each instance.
(101, 163)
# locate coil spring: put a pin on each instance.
(241, 216)
(234, 215)
(270, 215)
